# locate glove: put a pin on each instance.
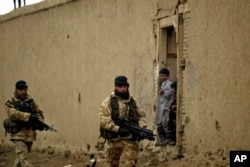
(33, 118)
(123, 132)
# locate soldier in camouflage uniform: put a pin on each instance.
(23, 112)
(122, 148)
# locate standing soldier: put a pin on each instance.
(23, 114)
(122, 148)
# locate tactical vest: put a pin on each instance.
(132, 116)
(12, 126)
(25, 106)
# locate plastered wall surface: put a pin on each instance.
(217, 78)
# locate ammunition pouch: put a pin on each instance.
(107, 134)
(11, 126)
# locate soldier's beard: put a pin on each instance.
(21, 96)
(122, 95)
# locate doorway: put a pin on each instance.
(169, 54)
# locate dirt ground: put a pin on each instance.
(45, 159)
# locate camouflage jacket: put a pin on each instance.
(105, 114)
(26, 134)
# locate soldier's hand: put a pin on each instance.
(33, 118)
(123, 132)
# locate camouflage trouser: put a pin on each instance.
(122, 153)
(22, 149)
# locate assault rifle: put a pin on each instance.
(43, 126)
(38, 124)
(136, 131)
